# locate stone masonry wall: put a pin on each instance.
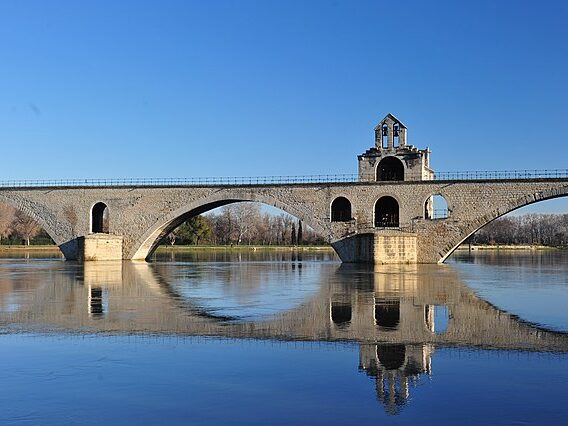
(142, 215)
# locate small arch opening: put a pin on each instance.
(387, 313)
(341, 313)
(390, 169)
(436, 207)
(341, 210)
(437, 318)
(100, 218)
(386, 213)
(391, 357)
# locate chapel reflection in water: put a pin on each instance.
(395, 369)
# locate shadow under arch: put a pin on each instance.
(146, 245)
(67, 247)
(474, 226)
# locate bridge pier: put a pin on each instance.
(99, 246)
(383, 247)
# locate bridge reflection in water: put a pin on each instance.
(398, 314)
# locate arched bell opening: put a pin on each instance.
(341, 210)
(390, 169)
(385, 136)
(386, 213)
(100, 218)
(396, 135)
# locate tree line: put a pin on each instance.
(534, 229)
(243, 223)
(16, 228)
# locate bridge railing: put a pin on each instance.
(502, 174)
(272, 180)
(197, 181)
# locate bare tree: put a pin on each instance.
(172, 236)
(7, 214)
(26, 227)
(287, 222)
(247, 217)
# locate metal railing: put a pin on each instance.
(438, 214)
(198, 181)
(502, 174)
(275, 180)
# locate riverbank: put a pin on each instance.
(163, 249)
(507, 247)
(283, 248)
(22, 247)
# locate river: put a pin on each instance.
(279, 337)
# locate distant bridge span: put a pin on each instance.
(143, 214)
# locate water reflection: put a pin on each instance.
(395, 368)
(417, 304)
(398, 314)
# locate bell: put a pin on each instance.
(385, 131)
(395, 132)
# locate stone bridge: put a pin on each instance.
(387, 214)
(144, 215)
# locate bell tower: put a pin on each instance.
(392, 159)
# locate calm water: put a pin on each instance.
(284, 338)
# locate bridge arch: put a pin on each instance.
(48, 222)
(149, 241)
(475, 225)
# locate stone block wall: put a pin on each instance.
(100, 247)
(142, 215)
(394, 247)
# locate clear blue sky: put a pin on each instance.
(247, 88)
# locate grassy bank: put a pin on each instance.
(22, 247)
(508, 247)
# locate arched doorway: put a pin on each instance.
(387, 313)
(99, 218)
(389, 169)
(386, 213)
(341, 210)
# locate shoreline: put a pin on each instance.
(243, 248)
(512, 247)
(23, 247)
(463, 247)
(315, 248)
